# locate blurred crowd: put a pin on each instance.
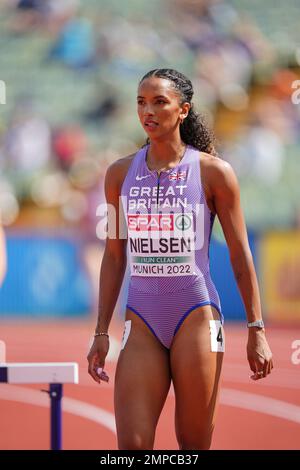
(242, 84)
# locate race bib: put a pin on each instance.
(161, 244)
(217, 337)
(126, 333)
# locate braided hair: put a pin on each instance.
(193, 130)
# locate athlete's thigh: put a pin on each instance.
(142, 382)
(195, 372)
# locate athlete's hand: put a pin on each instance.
(259, 354)
(96, 358)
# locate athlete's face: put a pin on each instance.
(159, 107)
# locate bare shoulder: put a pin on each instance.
(216, 173)
(214, 166)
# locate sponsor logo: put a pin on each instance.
(139, 178)
(183, 222)
(150, 222)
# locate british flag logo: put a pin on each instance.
(178, 176)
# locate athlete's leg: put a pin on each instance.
(142, 383)
(195, 373)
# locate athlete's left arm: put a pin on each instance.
(224, 189)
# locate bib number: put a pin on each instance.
(217, 338)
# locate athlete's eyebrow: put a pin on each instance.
(157, 96)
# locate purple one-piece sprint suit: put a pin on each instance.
(169, 228)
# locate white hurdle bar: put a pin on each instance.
(53, 373)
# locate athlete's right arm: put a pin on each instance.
(113, 267)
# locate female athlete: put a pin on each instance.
(169, 193)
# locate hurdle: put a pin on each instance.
(53, 373)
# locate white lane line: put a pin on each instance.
(70, 405)
(260, 404)
(91, 412)
(228, 397)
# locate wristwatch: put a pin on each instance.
(257, 324)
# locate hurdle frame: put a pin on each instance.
(53, 373)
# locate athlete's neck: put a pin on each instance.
(164, 155)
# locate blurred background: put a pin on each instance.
(69, 71)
